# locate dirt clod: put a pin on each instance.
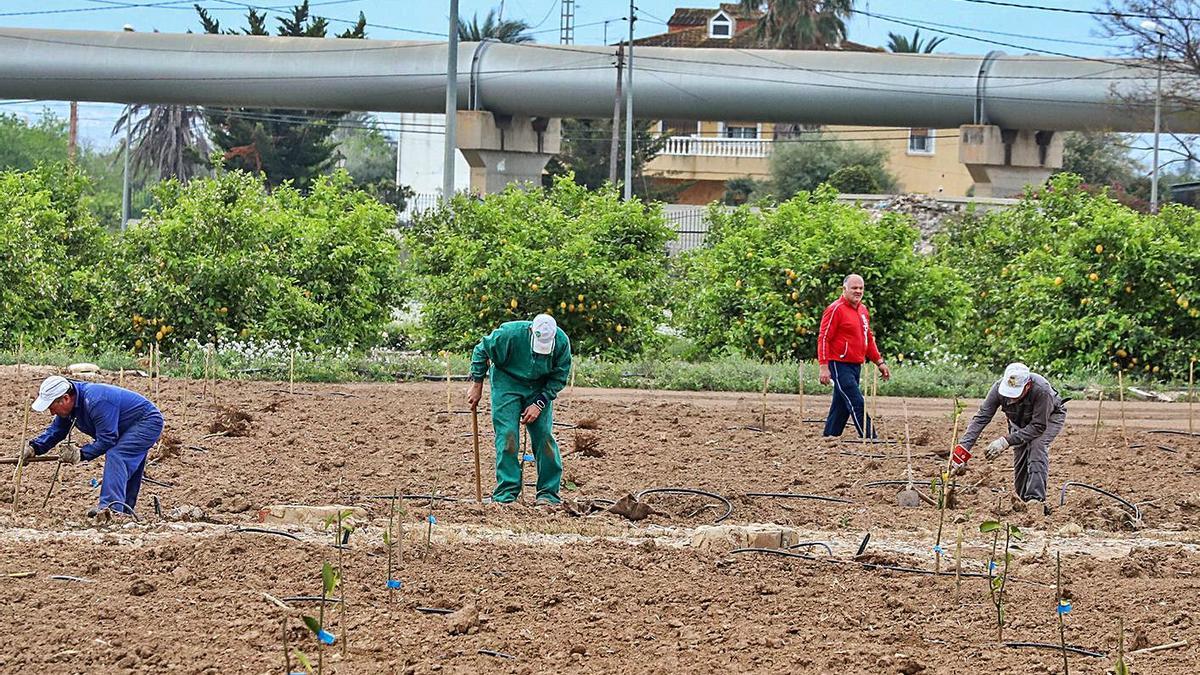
(588, 445)
(631, 508)
(231, 422)
(463, 620)
(142, 587)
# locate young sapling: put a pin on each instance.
(1062, 606)
(998, 583)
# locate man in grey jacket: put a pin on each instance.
(1036, 414)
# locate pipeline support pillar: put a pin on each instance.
(503, 149)
(1003, 161)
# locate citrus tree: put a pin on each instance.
(596, 263)
(224, 258)
(762, 281)
(50, 249)
(1070, 280)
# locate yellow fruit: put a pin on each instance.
(1128, 289)
(900, 357)
(795, 295)
(579, 297)
(737, 284)
(1122, 353)
(749, 255)
(512, 303)
(533, 287)
(137, 343)
(1154, 369)
(1099, 248)
(761, 341)
(562, 305)
(1183, 302)
(224, 310)
(789, 282)
(483, 298)
(619, 328)
(1058, 281)
(571, 307)
(1133, 360)
(1094, 277)
(799, 316)
(158, 336)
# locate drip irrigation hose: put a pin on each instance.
(864, 565)
(263, 530)
(499, 655)
(64, 577)
(690, 491)
(158, 482)
(127, 512)
(805, 544)
(881, 483)
(610, 502)
(1175, 432)
(1164, 448)
(796, 495)
(1055, 647)
(435, 610)
(1062, 497)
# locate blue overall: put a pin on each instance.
(847, 401)
(124, 426)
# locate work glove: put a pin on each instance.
(69, 454)
(996, 447)
(28, 453)
(958, 460)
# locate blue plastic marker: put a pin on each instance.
(938, 549)
(93, 482)
(991, 567)
(326, 637)
(1064, 606)
(432, 519)
(394, 583)
(526, 458)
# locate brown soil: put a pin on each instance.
(562, 593)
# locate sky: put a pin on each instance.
(970, 26)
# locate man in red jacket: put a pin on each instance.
(845, 341)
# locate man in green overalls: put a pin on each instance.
(530, 362)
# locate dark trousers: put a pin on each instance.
(847, 401)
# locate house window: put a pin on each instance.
(679, 127)
(737, 130)
(920, 141)
(720, 26)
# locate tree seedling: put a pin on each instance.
(1099, 405)
(762, 416)
(341, 537)
(943, 492)
(389, 540)
(1120, 667)
(329, 583)
(1062, 606)
(998, 583)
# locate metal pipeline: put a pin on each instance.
(821, 87)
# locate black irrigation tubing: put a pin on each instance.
(881, 483)
(157, 505)
(806, 544)
(1164, 448)
(312, 598)
(263, 530)
(64, 577)
(1062, 497)
(796, 495)
(862, 564)
(128, 510)
(1055, 647)
(690, 491)
(435, 610)
(159, 483)
(443, 378)
(499, 655)
(1174, 432)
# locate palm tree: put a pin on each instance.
(901, 44)
(801, 24)
(167, 140)
(509, 30)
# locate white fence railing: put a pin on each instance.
(717, 147)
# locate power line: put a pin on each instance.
(1090, 12)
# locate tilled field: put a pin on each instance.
(562, 593)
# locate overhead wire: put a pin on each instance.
(1068, 10)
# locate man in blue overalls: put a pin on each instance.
(123, 424)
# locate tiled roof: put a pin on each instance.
(744, 39)
(699, 16)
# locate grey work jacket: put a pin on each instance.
(1027, 418)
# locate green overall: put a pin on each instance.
(519, 379)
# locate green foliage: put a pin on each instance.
(1071, 280)
(813, 158)
(760, 285)
(856, 179)
(513, 31)
(800, 24)
(25, 146)
(739, 190)
(596, 263)
(370, 159)
(586, 151)
(915, 45)
(329, 579)
(223, 258)
(50, 248)
(284, 145)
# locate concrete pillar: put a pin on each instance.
(503, 149)
(1003, 161)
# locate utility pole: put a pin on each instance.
(629, 107)
(616, 120)
(73, 132)
(451, 149)
(1161, 32)
(128, 137)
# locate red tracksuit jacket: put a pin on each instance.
(846, 334)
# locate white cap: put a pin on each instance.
(1016, 376)
(53, 388)
(543, 331)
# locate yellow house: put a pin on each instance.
(701, 155)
